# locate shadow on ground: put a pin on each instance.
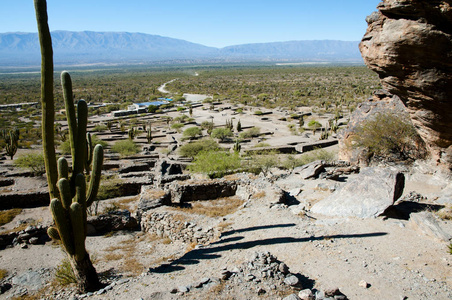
(232, 243)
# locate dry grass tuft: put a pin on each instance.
(7, 216)
(445, 213)
(214, 208)
(259, 195)
(155, 194)
(3, 273)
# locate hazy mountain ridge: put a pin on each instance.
(123, 47)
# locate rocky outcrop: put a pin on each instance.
(367, 196)
(409, 44)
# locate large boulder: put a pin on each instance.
(367, 196)
(409, 44)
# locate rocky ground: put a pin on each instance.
(262, 250)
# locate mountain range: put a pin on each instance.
(88, 47)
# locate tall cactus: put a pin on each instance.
(12, 142)
(69, 195)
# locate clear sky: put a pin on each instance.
(216, 23)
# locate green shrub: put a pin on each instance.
(177, 126)
(258, 112)
(261, 145)
(192, 149)
(221, 133)
(125, 147)
(263, 162)
(388, 136)
(218, 162)
(100, 128)
(96, 140)
(192, 132)
(32, 161)
(252, 132)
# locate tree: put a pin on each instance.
(221, 133)
(192, 132)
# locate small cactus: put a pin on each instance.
(131, 133)
(237, 147)
(149, 135)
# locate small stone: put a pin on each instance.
(173, 291)
(306, 294)
(261, 291)
(24, 246)
(225, 274)
(283, 268)
(292, 280)
(249, 277)
(183, 289)
(292, 297)
(34, 240)
(364, 284)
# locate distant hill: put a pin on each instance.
(87, 47)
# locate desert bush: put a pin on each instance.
(32, 161)
(64, 275)
(192, 149)
(100, 128)
(221, 133)
(125, 147)
(252, 132)
(388, 136)
(265, 161)
(191, 132)
(96, 140)
(218, 162)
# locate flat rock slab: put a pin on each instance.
(426, 222)
(367, 196)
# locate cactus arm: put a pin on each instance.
(80, 198)
(76, 215)
(80, 144)
(47, 103)
(63, 169)
(60, 216)
(66, 82)
(89, 153)
(53, 233)
(98, 158)
(65, 192)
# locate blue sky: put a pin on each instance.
(208, 22)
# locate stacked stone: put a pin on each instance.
(31, 235)
(165, 224)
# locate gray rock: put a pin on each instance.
(311, 170)
(31, 280)
(283, 268)
(426, 222)
(367, 196)
(151, 198)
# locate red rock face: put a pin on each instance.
(409, 44)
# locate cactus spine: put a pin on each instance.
(69, 194)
